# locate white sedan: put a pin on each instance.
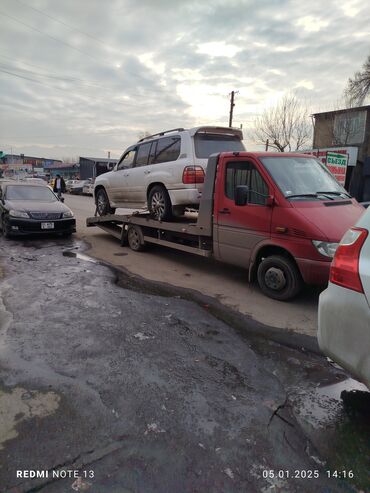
(344, 307)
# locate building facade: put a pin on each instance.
(91, 167)
(348, 128)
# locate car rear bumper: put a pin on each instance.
(19, 227)
(185, 196)
(344, 330)
(314, 271)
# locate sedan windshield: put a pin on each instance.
(24, 192)
(303, 178)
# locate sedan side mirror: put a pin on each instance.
(61, 199)
(241, 195)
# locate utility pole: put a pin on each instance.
(232, 104)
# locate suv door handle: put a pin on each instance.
(225, 210)
(126, 174)
(146, 172)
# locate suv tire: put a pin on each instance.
(159, 203)
(102, 203)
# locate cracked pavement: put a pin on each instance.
(147, 393)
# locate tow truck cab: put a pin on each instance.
(281, 216)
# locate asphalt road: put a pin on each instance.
(137, 392)
(225, 283)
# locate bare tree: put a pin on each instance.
(144, 134)
(358, 87)
(286, 126)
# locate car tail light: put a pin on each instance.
(193, 174)
(344, 269)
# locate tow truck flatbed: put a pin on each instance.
(183, 234)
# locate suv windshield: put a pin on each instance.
(20, 192)
(207, 144)
(300, 177)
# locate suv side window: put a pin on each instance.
(245, 173)
(127, 160)
(168, 149)
(142, 154)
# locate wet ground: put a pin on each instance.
(134, 387)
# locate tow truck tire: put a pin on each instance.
(102, 203)
(159, 203)
(135, 238)
(279, 278)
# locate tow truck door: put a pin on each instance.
(237, 229)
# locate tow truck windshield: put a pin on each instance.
(303, 178)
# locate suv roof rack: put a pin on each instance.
(162, 133)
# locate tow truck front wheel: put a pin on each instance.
(279, 278)
(102, 203)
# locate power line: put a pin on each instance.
(66, 44)
(69, 26)
(43, 69)
(53, 77)
(48, 35)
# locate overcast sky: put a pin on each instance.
(81, 78)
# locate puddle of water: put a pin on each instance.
(81, 256)
(339, 429)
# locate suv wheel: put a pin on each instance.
(102, 203)
(159, 203)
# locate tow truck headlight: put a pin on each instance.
(14, 213)
(67, 214)
(325, 248)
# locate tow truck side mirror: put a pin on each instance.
(241, 195)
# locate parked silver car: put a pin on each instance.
(164, 172)
(344, 307)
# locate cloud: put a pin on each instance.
(79, 78)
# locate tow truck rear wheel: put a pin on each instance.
(102, 203)
(135, 238)
(279, 278)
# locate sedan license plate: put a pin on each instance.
(47, 225)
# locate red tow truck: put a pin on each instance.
(280, 216)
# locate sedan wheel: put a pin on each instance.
(5, 228)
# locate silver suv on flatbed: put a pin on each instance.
(164, 172)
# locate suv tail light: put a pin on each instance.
(193, 174)
(344, 269)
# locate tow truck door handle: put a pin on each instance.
(225, 210)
